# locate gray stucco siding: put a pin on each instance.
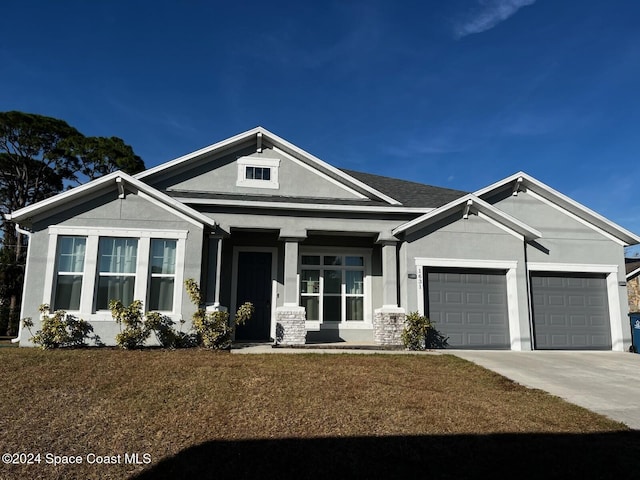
(220, 175)
(107, 213)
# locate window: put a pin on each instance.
(163, 272)
(332, 287)
(70, 264)
(117, 259)
(258, 172)
(90, 266)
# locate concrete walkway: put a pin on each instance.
(604, 382)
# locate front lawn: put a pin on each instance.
(197, 413)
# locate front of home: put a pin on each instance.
(330, 255)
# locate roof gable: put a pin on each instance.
(471, 204)
(119, 180)
(261, 139)
(519, 181)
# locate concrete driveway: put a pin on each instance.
(604, 382)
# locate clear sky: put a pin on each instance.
(455, 93)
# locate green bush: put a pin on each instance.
(135, 332)
(420, 334)
(213, 329)
(60, 330)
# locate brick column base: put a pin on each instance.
(290, 326)
(388, 324)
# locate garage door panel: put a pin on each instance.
(570, 311)
(472, 306)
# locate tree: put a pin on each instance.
(39, 157)
(102, 155)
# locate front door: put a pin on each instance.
(254, 285)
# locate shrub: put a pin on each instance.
(212, 328)
(135, 332)
(60, 330)
(420, 334)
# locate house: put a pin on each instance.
(633, 283)
(327, 254)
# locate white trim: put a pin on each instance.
(575, 217)
(169, 209)
(565, 203)
(321, 174)
(24, 281)
(275, 141)
(116, 232)
(513, 311)
(117, 178)
(466, 263)
(465, 204)
(274, 281)
(616, 321)
(501, 226)
(272, 164)
(571, 267)
(366, 253)
(88, 294)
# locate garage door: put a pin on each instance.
(570, 312)
(468, 306)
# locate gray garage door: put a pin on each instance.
(468, 306)
(570, 312)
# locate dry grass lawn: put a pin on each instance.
(197, 413)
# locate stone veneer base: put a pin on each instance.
(388, 324)
(290, 325)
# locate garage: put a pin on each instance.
(469, 306)
(570, 311)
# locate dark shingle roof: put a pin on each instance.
(410, 194)
(631, 264)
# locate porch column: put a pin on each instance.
(388, 321)
(213, 275)
(290, 317)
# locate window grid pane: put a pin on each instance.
(118, 255)
(334, 292)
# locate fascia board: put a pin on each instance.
(77, 192)
(296, 151)
(43, 205)
(276, 141)
(566, 203)
(239, 138)
(478, 204)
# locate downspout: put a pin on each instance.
(28, 235)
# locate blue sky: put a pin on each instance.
(456, 93)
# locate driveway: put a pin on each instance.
(604, 382)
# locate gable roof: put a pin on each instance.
(261, 136)
(465, 204)
(118, 179)
(521, 180)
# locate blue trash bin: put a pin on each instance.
(635, 331)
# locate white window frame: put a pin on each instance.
(273, 164)
(59, 272)
(163, 275)
(100, 274)
(91, 267)
(366, 322)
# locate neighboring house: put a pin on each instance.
(633, 283)
(327, 254)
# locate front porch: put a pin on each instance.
(306, 287)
